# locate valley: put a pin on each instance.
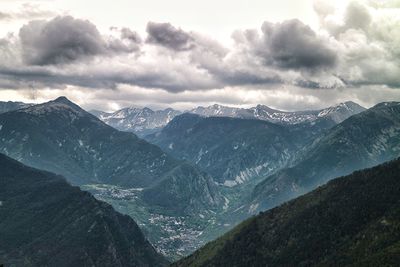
(173, 236)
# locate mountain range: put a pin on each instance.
(351, 221)
(44, 221)
(337, 113)
(144, 121)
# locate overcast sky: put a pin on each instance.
(287, 54)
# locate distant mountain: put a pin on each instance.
(141, 121)
(221, 111)
(60, 137)
(97, 113)
(10, 106)
(336, 113)
(362, 141)
(351, 221)
(145, 121)
(44, 221)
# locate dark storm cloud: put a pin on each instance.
(60, 40)
(164, 34)
(65, 39)
(292, 44)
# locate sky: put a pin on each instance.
(287, 54)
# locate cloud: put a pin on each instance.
(356, 47)
(109, 72)
(291, 44)
(357, 16)
(60, 40)
(65, 39)
(126, 41)
(164, 34)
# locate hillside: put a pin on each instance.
(44, 221)
(232, 150)
(235, 151)
(351, 221)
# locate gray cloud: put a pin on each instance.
(60, 40)
(128, 34)
(292, 44)
(65, 39)
(106, 74)
(128, 41)
(166, 35)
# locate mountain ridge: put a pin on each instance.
(11, 106)
(141, 121)
(144, 121)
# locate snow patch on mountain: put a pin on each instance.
(338, 113)
(144, 121)
(141, 121)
